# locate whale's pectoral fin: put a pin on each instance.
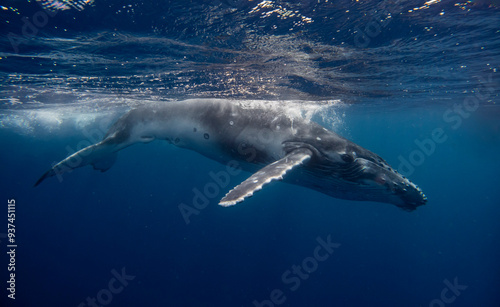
(101, 156)
(271, 172)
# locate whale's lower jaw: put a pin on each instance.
(340, 189)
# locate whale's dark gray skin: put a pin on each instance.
(266, 141)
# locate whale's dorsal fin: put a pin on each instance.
(273, 171)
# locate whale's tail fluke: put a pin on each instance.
(101, 156)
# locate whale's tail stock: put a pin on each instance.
(101, 156)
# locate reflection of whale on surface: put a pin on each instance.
(255, 137)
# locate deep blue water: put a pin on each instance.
(386, 75)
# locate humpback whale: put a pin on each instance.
(269, 142)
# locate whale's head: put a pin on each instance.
(348, 171)
(363, 175)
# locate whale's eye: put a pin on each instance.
(347, 158)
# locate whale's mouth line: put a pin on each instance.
(374, 178)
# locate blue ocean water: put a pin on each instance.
(416, 82)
